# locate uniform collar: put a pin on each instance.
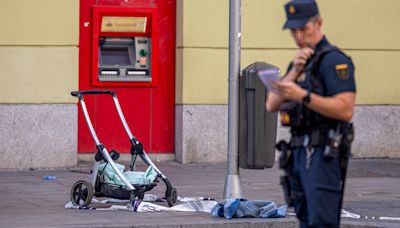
(322, 43)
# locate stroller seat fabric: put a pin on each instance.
(133, 177)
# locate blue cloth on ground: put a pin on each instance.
(244, 208)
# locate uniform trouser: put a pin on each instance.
(316, 189)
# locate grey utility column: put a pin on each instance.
(232, 181)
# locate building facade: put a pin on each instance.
(39, 58)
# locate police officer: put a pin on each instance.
(316, 95)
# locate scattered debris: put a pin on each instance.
(346, 214)
(49, 178)
(189, 204)
(390, 218)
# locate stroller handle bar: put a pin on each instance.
(80, 94)
(133, 139)
(92, 92)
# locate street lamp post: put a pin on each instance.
(232, 181)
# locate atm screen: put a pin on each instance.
(115, 56)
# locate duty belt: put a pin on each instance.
(316, 138)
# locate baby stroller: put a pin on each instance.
(108, 178)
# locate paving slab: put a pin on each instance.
(373, 192)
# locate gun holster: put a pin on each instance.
(347, 140)
(340, 141)
(286, 164)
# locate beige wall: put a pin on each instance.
(365, 29)
(39, 54)
(38, 50)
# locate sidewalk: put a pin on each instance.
(372, 191)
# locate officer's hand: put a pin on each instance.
(300, 59)
(289, 90)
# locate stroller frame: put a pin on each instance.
(82, 191)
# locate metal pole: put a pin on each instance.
(232, 181)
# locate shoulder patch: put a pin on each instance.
(342, 71)
(292, 10)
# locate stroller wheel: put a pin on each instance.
(171, 195)
(81, 193)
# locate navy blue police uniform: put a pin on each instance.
(317, 180)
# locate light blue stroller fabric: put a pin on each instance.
(134, 177)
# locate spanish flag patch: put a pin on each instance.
(342, 71)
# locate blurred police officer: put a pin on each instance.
(316, 95)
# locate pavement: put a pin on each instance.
(27, 200)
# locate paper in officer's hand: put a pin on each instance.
(268, 77)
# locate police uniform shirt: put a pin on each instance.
(336, 71)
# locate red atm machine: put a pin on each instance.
(128, 46)
(124, 47)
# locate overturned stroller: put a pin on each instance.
(108, 178)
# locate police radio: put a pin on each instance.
(291, 114)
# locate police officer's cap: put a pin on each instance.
(299, 12)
